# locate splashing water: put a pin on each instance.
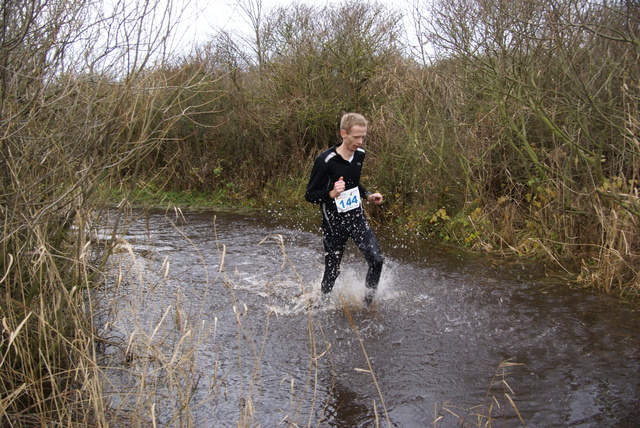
(267, 348)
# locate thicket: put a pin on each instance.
(506, 126)
(80, 86)
(501, 125)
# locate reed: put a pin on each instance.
(83, 111)
(499, 406)
(369, 370)
(48, 347)
(153, 339)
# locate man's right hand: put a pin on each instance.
(338, 187)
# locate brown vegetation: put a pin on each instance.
(503, 125)
(79, 97)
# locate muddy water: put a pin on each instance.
(268, 351)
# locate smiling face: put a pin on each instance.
(353, 139)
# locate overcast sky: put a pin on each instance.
(204, 18)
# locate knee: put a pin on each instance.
(332, 258)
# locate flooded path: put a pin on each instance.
(231, 328)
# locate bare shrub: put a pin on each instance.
(79, 109)
(546, 89)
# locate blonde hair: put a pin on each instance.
(351, 119)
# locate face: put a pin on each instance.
(354, 138)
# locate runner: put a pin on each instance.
(335, 186)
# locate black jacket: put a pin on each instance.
(329, 166)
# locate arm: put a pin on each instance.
(319, 189)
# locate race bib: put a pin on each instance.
(348, 200)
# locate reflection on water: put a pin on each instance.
(241, 333)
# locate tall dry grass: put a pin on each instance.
(82, 111)
(499, 407)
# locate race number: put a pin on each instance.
(348, 200)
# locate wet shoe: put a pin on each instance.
(368, 296)
(325, 299)
(320, 301)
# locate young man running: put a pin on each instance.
(335, 186)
